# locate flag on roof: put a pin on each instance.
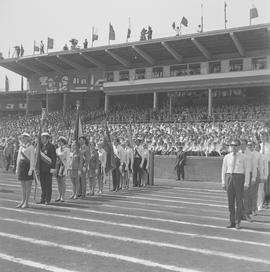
(184, 21)
(111, 33)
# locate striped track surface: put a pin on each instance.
(168, 227)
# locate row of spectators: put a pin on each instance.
(197, 138)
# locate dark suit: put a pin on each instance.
(180, 163)
(47, 162)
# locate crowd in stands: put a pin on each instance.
(190, 126)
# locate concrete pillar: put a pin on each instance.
(27, 103)
(209, 102)
(116, 75)
(268, 62)
(166, 71)
(204, 68)
(148, 72)
(64, 103)
(155, 98)
(247, 64)
(106, 104)
(225, 66)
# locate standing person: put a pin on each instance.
(74, 169)
(130, 161)
(93, 167)
(235, 177)
(137, 173)
(25, 168)
(255, 178)
(265, 150)
(180, 162)
(47, 168)
(116, 171)
(62, 165)
(145, 165)
(2, 159)
(102, 166)
(263, 175)
(85, 44)
(246, 198)
(8, 153)
(84, 161)
(41, 47)
(15, 154)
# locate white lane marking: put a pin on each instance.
(166, 200)
(98, 253)
(25, 262)
(129, 239)
(136, 217)
(121, 224)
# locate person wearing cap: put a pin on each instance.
(62, 165)
(25, 167)
(180, 162)
(144, 165)
(235, 177)
(47, 165)
(83, 167)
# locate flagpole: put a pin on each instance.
(225, 14)
(109, 33)
(201, 17)
(92, 35)
(34, 47)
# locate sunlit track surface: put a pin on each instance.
(169, 227)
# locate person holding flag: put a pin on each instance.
(47, 165)
(25, 167)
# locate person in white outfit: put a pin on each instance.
(102, 154)
(62, 165)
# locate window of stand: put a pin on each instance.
(194, 68)
(236, 65)
(214, 67)
(123, 75)
(140, 74)
(157, 72)
(259, 63)
(179, 70)
(109, 76)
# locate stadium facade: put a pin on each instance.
(215, 63)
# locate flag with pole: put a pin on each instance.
(6, 84)
(78, 126)
(253, 13)
(94, 34)
(111, 33)
(129, 29)
(38, 149)
(184, 21)
(110, 162)
(50, 42)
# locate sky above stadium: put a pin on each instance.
(26, 21)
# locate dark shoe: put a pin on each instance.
(41, 202)
(231, 226)
(244, 218)
(47, 203)
(57, 200)
(237, 226)
(249, 219)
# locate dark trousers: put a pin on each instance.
(180, 172)
(137, 172)
(235, 191)
(116, 178)
(8, 161)
(46, 187)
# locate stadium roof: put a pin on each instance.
(212, 45)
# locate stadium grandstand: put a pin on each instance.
(225, 67)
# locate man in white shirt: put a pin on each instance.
(235, 177)
(246, 198)
(265, 150)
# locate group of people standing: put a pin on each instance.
(245, 177)
(84, 162)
